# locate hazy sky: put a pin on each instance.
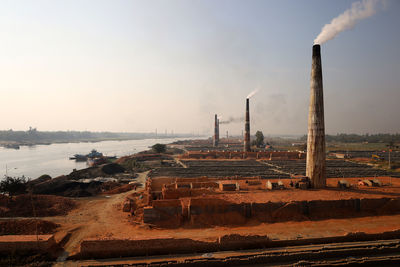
(140, 65)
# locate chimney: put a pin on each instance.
(247, 128)
(315, 168)
(216, 132)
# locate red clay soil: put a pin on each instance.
(121, 189)
(27, 227)
(330, 193)
(35, 205)
(110, 185)
(103, 218)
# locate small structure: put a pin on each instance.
(304, 183)
(343, 184)
(274, 186)
(227, 186)
(341, 155)
(367, 182)
(376, 182)
(253, 182)
(183, 185)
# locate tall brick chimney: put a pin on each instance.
(247, 128)
(216, 132)
(315, 168)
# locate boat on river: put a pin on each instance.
(93, 154)
(13, 146)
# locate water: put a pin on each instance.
(54, 160)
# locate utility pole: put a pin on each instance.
(390, 147)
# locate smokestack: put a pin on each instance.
(247, 128)
(315, 168)
(216, 132)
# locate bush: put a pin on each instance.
(159, 148)
(13, 185)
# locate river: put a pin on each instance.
(33, 161)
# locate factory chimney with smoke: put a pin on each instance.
(315, 168)
(216, 132)
(247, 128)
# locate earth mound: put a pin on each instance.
(35, 205)
(27, 227)
(112, 168)
(41, 179)
(64, 186)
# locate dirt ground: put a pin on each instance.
(98, 217)
(102, 218)
(331, 192)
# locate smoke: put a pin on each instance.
(232, 120)
(252, 93)
(348, 19)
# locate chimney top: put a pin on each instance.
(316, 50)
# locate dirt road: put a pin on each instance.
(98, 217)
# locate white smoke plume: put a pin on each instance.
(232, 120)
(348, 19)
(252, 93)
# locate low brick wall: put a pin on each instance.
(119, 248)
(175, 193)
(200, 212)
(92, 248)
(243, 155)
(26, 243)
(204, 185)
(166, 213)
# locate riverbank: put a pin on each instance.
(53, 159)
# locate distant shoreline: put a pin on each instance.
(15, 144)
(14, 139)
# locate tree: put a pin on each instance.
(259, 139)
(13, 185)
(159, 148)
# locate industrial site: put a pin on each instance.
(221, 200)
(215, 202)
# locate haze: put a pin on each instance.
(136, 66)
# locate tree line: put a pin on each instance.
(35, 136)
(357, 138)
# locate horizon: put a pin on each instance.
(161, 134)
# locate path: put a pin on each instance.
(94, 217)
(275, 168)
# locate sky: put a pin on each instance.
(137, 66)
